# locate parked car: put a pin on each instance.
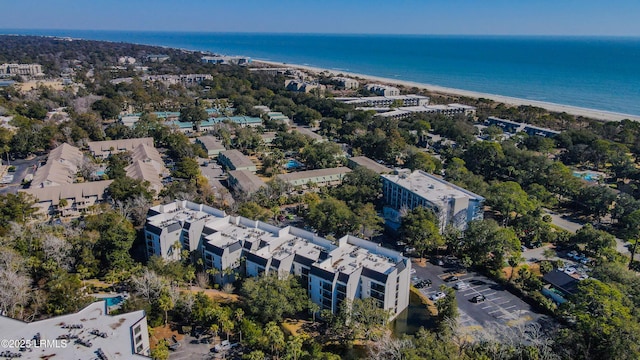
(461, 285)
(570, 271)
(478, 298)
(413, 271)
(451, 278)
(223, 346)
(437, 296)
(423, 283)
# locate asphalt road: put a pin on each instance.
(500, 306)
(23, 168)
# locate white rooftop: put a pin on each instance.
(429, 187)
(117, 343)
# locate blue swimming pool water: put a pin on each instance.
(112, 301)
(100, 173)
(292, 164)
(586, 176)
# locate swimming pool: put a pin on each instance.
(113, 301)
(293, 164)
(586, 175)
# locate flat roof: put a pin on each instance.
(117, 328)
(429, 187)
(299, 175)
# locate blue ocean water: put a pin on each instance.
(600, 73)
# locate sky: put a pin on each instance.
(456, 17)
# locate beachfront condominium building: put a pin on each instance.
(91, 333)
(331, 271)
(385, 101)
(303, 86)
(345, 82)
(513, 127)
(453, 205)
(382, 90)
(446, 110)
(226, 60)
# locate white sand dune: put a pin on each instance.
(573, 110)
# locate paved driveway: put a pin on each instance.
(500, 306)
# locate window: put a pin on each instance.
(136, 330)
(139, 349)
(138, 339)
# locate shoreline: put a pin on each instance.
(599, 115)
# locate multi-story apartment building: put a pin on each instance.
(8, 70)
(453, 205)
(91, 333)
(385, 101)
(332, 271)
(516, 127)
(347, 83)
(382, 90)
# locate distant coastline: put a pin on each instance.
(594, 76)
(553, 107)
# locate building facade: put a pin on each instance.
(332, 271)
(319, 177)
(382, 90)
(453, 205)
(8, 70)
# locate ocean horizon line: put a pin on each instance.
(432, 35)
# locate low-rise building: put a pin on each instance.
(516, 127)
(235, 160)
(8, 70)
(303, 86)
(61, 167)
(68, 200)
(308, 132)
(319, 177)
(453, 205)
(447, 110)
(157, 57)
(382, 90)
(365, 162)
(245, 182)
(186, 79)
(345, 82)
(278, 116)
(383, 102)
(226, 60)
(211, 145)
(91, 333)
(104, 149)
(331, 271)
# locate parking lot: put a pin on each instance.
(499, 305)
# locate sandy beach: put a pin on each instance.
(573, 110)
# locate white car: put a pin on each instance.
(461, 285)
(570, 271)
(437, 296)
(413, 271)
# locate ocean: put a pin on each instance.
(600, 73)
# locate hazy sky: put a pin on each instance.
(499, 17)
